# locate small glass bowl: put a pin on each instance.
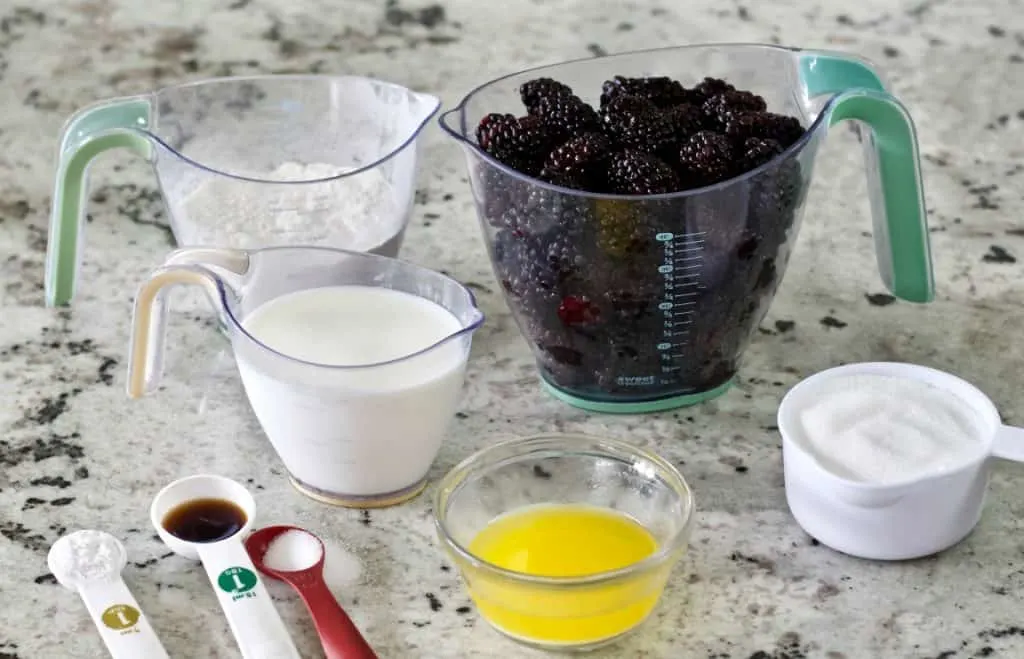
(564, 613)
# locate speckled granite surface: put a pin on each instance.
(75, 452)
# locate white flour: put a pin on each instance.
(358, 212)
(86, 556)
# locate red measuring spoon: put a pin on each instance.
(339, 636)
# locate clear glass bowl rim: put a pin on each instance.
(577, 444)
(265, 78)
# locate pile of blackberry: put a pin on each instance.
(581, 274)
(649, 136)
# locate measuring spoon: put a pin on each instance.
(338, 634)
(90, 562)
(258, 629)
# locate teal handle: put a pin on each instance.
(902, 242)
(119, 123)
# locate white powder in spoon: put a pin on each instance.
(292, 551)
(296, 550)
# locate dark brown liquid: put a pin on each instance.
(204, 520)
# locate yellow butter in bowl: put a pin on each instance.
(564, 542)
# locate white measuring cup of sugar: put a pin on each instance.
(360, 433)
(911, 518)
(90, 563)
(257, 627)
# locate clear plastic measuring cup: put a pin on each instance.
(253, 162)
(647, 302)
(362, 435)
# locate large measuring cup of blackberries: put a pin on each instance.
(639, 209)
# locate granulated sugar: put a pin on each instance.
(883, 429)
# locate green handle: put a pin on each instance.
(902, 242)
(122, 122)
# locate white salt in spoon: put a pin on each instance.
(296, 557)
(90, 562)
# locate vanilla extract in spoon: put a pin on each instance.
(204, 520)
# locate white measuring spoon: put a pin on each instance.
(258, 629)
(90, 562)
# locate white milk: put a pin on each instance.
(884, 429)
(353, 431)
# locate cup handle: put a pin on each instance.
(900, 222)
(122, 122)
(205, 267)
(1008, 443)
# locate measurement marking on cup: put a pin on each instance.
(680, 270)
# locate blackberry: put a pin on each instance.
(685, 120)
(765, 125)
(532, 91)
(625, 105)
(566, 116)
(774, 196)
(535, 210)
(635, 173)
(631, 304)
(514, 219)
(709, 87)
(519, 264)
(706, 158)
(571, 180)
(566, 253)
(620, 226)
(756, 152)
(577, 310)
(719, 109)
(497, 191)
(520, 143)
(635, 123)
(662, 91)
(578, 162)
(547, 209)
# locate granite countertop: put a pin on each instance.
(75, 452)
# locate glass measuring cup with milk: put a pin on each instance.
(352, 362)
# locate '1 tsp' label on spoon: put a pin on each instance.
(122, 618)
(237, 582)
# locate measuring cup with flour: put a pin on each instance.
(90, 562)
(253, 162)
(353, 363)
